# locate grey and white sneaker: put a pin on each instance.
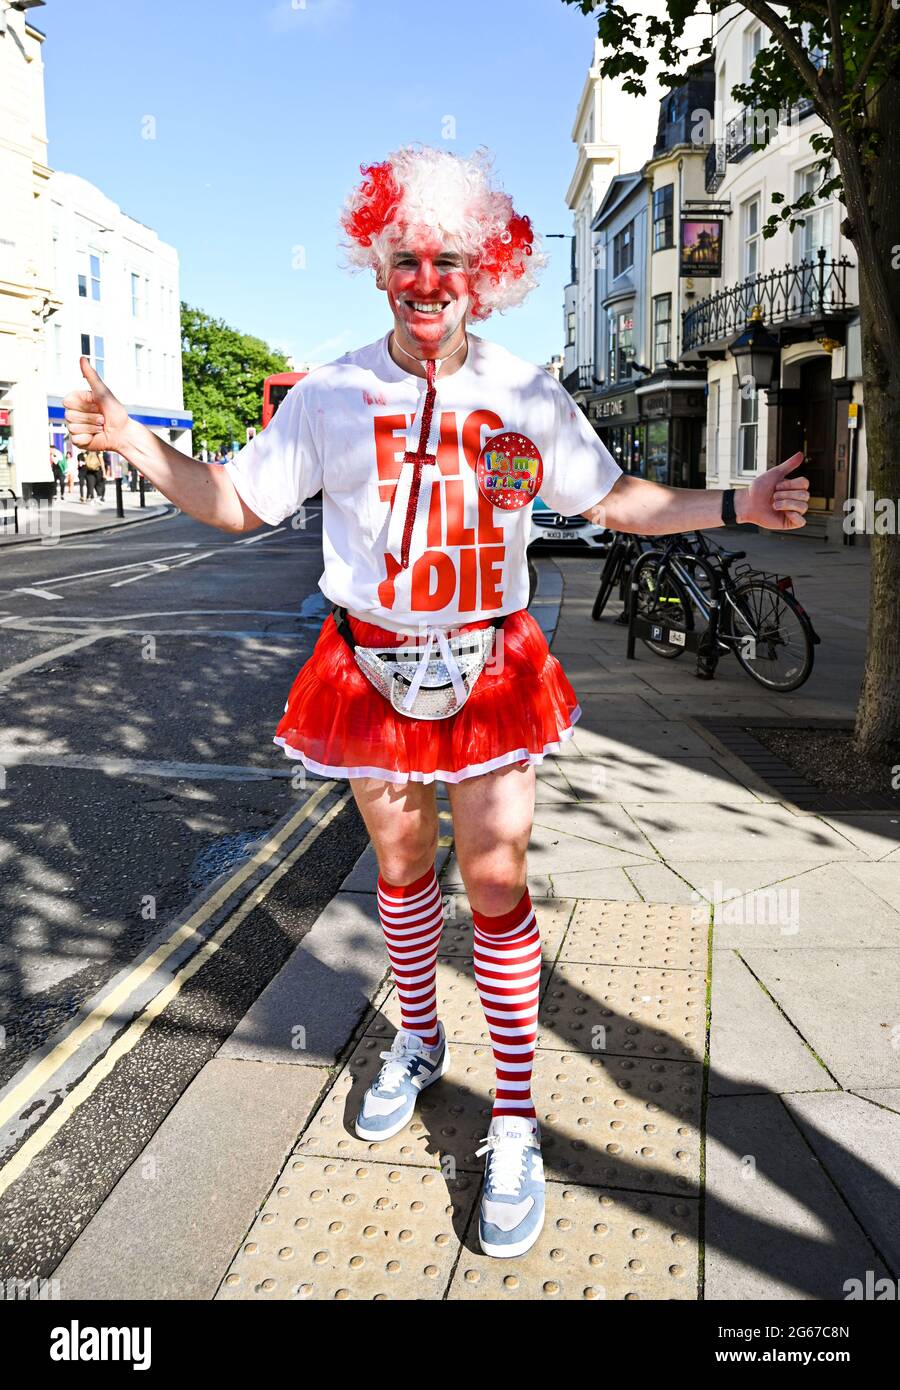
(512, 1202)
(408, 1068)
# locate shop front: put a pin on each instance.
(673, 431)
(616, 419)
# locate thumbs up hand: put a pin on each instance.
(775, 500)
(95, 419)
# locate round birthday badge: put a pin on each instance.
(509, 470)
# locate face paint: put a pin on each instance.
(428, 290)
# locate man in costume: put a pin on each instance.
(429, 445)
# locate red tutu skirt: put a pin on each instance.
(337, 724)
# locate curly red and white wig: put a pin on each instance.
(418, 192)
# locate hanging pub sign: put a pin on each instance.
(701, 246)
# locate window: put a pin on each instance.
(662, 217)
(82, 287)
(662, 329)
(135, 294)
(99, 355)
(95, 277)
(816, 229)
(753, 42)
(748, 429)
(85, 344)
(138, 363)
(623, 250)
(621, 344)
(752, 238)
(570, 328)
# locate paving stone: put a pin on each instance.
(596, 1244)
(888, 1096)
(751, 831)
(882, 878)
(614, 885)
(636, 933)
(655, 778)
(625, 1010)
(858, 1144)
(843, 1002)
(877, 834)
(800, 910)
(753, 1047)
(333, 1230)
(775, 1226)
(169, 1227)
(657, 883)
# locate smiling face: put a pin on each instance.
(427, 286)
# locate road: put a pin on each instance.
(142, 674)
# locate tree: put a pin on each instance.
(224, 371)
(845, 57)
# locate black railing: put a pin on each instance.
(581, 379)
(812, 289)
(715, 166)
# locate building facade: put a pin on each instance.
(117, 285)
(805, 285)
(27, 293)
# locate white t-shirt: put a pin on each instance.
(344, 428)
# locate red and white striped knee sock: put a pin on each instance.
(412, 919)
(508, 973)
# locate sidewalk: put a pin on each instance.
(720, 1109)
(41, 525)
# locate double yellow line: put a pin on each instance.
(116, 1000)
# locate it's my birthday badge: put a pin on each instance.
(509, 470)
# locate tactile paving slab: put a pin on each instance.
(646, 934)
(620, 1121)
(595, 1244)
(553, 915)
(613, 1121)
(340, 1230)
(459, 1007)
(622, 1009)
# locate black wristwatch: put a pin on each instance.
(729, 516)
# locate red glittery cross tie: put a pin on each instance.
(418, 460)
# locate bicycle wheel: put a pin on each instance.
(662, 600)
(774, 644)
(609, 577)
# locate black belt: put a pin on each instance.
(342, 623)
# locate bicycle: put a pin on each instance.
(751, 613)
(623, 552)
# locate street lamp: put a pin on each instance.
(755, 352)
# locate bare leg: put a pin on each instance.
(402, 822)
(492, 817)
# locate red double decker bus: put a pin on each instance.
(275, 388)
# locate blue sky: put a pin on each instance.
(263, 113)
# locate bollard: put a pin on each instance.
(120, 505)
(141, 490)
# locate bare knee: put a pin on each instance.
(494, 884)
(401, 862)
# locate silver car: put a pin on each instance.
(574, 532)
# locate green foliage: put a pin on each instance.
(224, 371)
(840, 73)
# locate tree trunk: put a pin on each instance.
(878, 712)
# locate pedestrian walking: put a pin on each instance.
(425, 550)
(93, 464)
(58, 469)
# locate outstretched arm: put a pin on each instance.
(773, 501)
(96, 420)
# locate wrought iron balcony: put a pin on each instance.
(715, 166)
(803, 293)
(581, 379)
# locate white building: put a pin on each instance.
(27, 296)
(118, 285)
(612, 132)
(806, 286)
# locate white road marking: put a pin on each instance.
(266, 535)
(38, 593)
(94, 574)
(13, 756)
(159, 567)
(35, 661)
